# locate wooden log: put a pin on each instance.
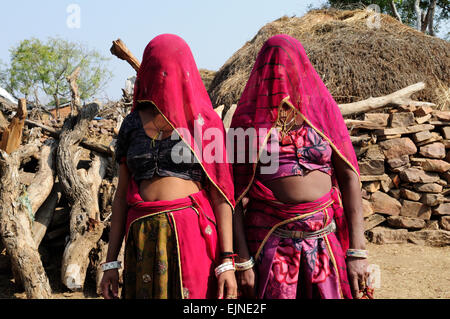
(58, 232)
(219, 110)
(400, 97)
(15, 225)
(368, 125)
(44, 215)
(92, 146)
(79, 189)
(75, 103)
(12, 136)
(120, 50)
(229, 116)
(43, 180)
(107, 190)
(357, 140)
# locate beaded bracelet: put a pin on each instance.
(357, 253)
(224, 267)
(245, 265)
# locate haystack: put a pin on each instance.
(207, 77)
(354, 60)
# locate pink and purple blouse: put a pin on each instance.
(300, 151)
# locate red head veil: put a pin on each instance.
(168, 77)
(283, 73)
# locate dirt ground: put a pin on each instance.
(411, 271)
(406, 271)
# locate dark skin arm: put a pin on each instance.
(227, 285)
(352, 201)
(246, 279)
(110, 279)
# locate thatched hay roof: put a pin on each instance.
(354, 61)
(207, 77)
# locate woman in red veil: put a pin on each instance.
(173, 205)
(291, 224)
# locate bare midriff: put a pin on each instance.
(167, 188)
(300, 189)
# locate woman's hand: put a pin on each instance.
(357, 275)
(227, 285)
(110, 284)
(247, 283)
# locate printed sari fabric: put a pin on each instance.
(151, 260)
(171, 248)
(295, 268)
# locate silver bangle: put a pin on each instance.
(245, 265)
(224, 267)
(358, 253)
(111, 265)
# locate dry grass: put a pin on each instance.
(354, 61)
(207, 77)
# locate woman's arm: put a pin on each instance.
(240, 240)
(110, 278)
(224, 220)
(352, 201)
(246, 279)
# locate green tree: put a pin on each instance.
(39, 69)
(424, 15)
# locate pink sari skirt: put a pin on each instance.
(193, 226)
(290, 268)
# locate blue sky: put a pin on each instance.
(214, 29)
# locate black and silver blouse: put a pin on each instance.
(146, 157)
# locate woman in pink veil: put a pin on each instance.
(295, 234)
(173, 205)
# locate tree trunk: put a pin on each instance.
(42, 183)
(81, 190)
(55, 96)
(44, 215)
(75, 104)
(418, 14)
(395, 12)
(431, 9)
(97, 147)
(15, 225)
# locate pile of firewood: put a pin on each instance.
(57, 184)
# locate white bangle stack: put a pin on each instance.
(111, 265)
(224, 267)
(357, 253)
(245, 265)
